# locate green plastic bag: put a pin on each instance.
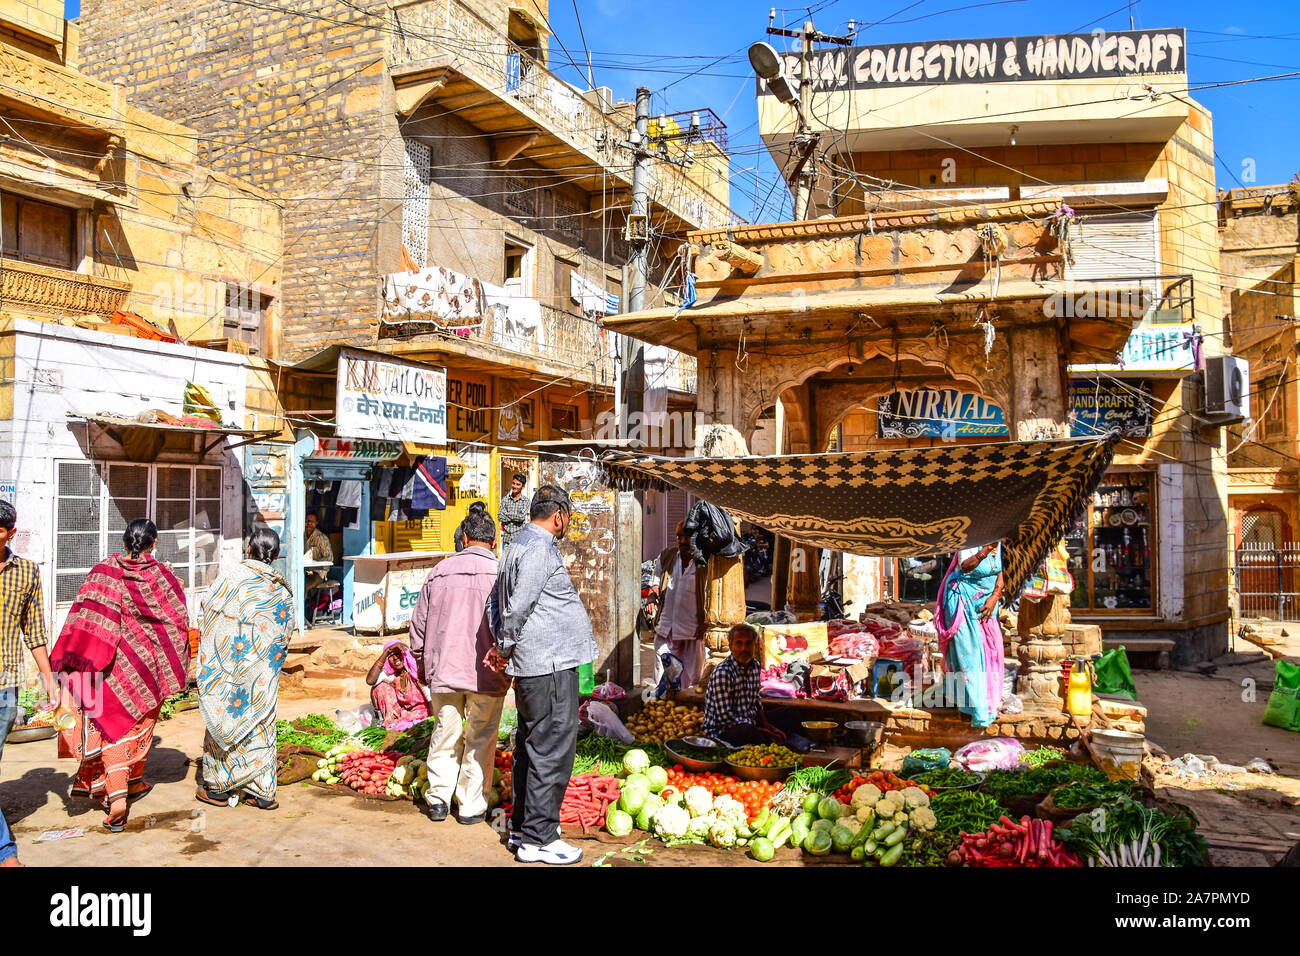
(1114, 676)
(1283, 708)
(923, 761)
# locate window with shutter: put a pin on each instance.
(38, 231)
(1115, 248)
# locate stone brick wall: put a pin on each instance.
(294, 101)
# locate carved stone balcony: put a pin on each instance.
(46, 291)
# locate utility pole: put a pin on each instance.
(803, 177)
(638, 238)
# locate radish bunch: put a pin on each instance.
(369, 772)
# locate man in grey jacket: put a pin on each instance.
(543, 637)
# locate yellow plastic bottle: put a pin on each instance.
(1078, 697)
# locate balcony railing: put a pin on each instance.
(425, 30)
(565, 342)
(50, 291)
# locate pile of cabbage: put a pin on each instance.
(638, 795)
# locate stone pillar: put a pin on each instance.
(1041, 626)
(805, 588)
(780, 572)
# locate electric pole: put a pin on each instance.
(803, 177)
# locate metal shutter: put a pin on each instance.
(1116, 246)
(676, 505)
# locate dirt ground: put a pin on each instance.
(1250, 819)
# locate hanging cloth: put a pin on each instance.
(430, 484)
(349, 494)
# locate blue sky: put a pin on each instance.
(658, 44)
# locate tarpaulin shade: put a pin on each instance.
(903, 502)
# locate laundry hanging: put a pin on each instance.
(436, 294)
(591, 296)
(516, 319)
(900, 502)
(349, 495)
(430, 484)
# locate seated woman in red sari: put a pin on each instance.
(124, 649)
(399, 699)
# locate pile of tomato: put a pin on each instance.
(754, 794)
(883, 779)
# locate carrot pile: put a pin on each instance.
(587, 798)
(1007, 843)
(368, 770)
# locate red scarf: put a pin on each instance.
(129, 626)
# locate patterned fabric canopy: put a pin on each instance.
(898, 502)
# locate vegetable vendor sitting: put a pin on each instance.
(733, 711)
(399, 699)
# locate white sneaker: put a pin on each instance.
(556, 852)
(514, 840)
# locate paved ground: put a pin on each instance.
(1186, 713)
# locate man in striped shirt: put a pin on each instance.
(22, 618)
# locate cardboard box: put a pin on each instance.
(787, 643)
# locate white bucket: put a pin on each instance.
(1119, 753)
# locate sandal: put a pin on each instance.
(113, 826)
(139, 794)
(260, 803)
(215, 798)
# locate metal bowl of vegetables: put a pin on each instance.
(779, 770)
(953, 778)
(23, 735)
(695, 757)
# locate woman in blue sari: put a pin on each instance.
(970, 636)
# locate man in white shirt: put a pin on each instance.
(679, 626)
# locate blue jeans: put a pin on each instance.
(8, 716)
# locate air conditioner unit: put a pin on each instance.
(602, 97)
(1227, 389)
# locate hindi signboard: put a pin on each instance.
(391, 399)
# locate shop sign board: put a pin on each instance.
(1155, 348)
(357, 449)
(1097, 407)
(938, 413)
(391, 399)
(1100, 407)
(1071, 56)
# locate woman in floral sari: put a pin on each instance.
(245, 623)
(125, 648)
(399, 699)
(970, 636)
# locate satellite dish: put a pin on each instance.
(765, 61)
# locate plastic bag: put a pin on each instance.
(1284, 701)
(608, 690)
(922, 761)
(1113, 675)
(670, 683)
(352, 721)
(1012, 704)
(602, 717)
(1000, 753)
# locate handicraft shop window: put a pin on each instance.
(1111, 554)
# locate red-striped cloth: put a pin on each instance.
(129, 624)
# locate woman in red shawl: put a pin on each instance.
(124, 649)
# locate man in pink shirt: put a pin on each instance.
(450, 638)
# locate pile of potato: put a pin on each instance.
(662, 720)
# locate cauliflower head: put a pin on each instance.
(889, 804)
(866, 815)
(670, 822)
(698, 801)
(923, 818)
(699, 827)
(865, 796)
(722, 834)
(915, 797)
(851, 822)
(730, 810)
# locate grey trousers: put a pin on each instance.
(543, 759)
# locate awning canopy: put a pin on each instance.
(142, 441)
(898, 502)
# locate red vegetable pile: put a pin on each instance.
(368, 771)
(587, 798)
(1007, 843)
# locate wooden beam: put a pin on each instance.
(506, 148)
(739, 258)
